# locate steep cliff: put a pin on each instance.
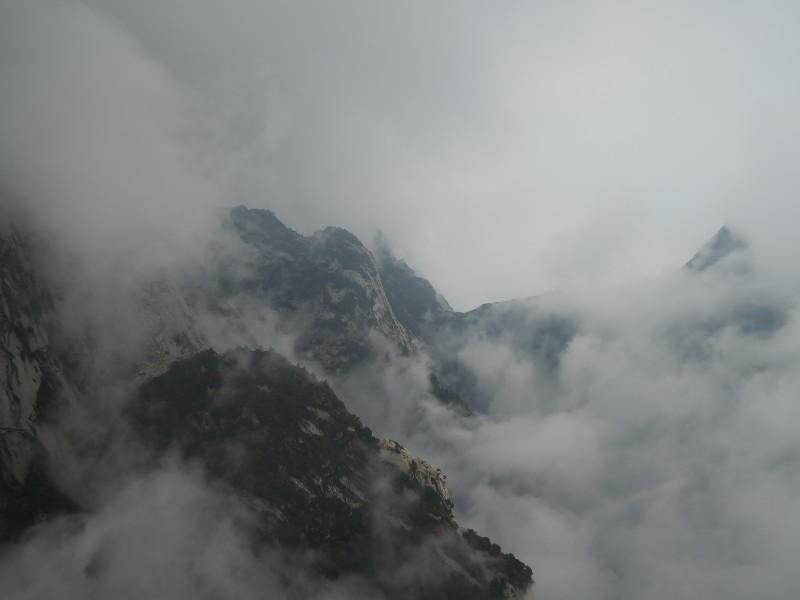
(326, 285)
(414, 300)
(319, 480)
(33, 388)
(266, 432)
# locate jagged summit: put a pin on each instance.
(314, 480)
(724, 244)
(327, 284)
(261, 228)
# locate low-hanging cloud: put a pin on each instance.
(660, 462)
(163, 533)
(543, 145)
(553, 144)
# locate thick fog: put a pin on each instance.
(162, 534)
(546, 143)
(506, 150)
(660, 460)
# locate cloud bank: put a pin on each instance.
(660, 459)
(504, 150)
(552, 144)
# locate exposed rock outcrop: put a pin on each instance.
(328, 285)
(32, 386)
(413, 299)
(266, 431)
(319, 480)
(723, 245)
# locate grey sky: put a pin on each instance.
(542, 144)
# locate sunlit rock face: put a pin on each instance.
(319, 480)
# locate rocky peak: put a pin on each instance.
(751, 311)
(262, 229)
(328, 284)
(334, 237)
(723, 245)
(318, 480)
(266, 431)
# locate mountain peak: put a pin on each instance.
(255, 218)
(724, 243)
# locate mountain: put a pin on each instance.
(415, 302)
(526, 325)
(722, 246)
(751, 311)
(529, 328)
(177, 363)
(325, 287)
(265, 430)
(167, 326)
(318, 479)
(34, 387)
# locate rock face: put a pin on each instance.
(319, 480)
(32, 385)
(168, 328)
(525, 328)
(724, 244)
(750, 311)
(265, 431)
(347, 305)
(327, 285)
(415, 302)
(30, 372)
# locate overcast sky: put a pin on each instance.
(505, 148)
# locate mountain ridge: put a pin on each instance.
(251, 407)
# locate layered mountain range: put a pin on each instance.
(236, 358)
(194, 374)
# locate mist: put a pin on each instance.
(551, 144)
(659, 461)
(575, 152)
(163, 533)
